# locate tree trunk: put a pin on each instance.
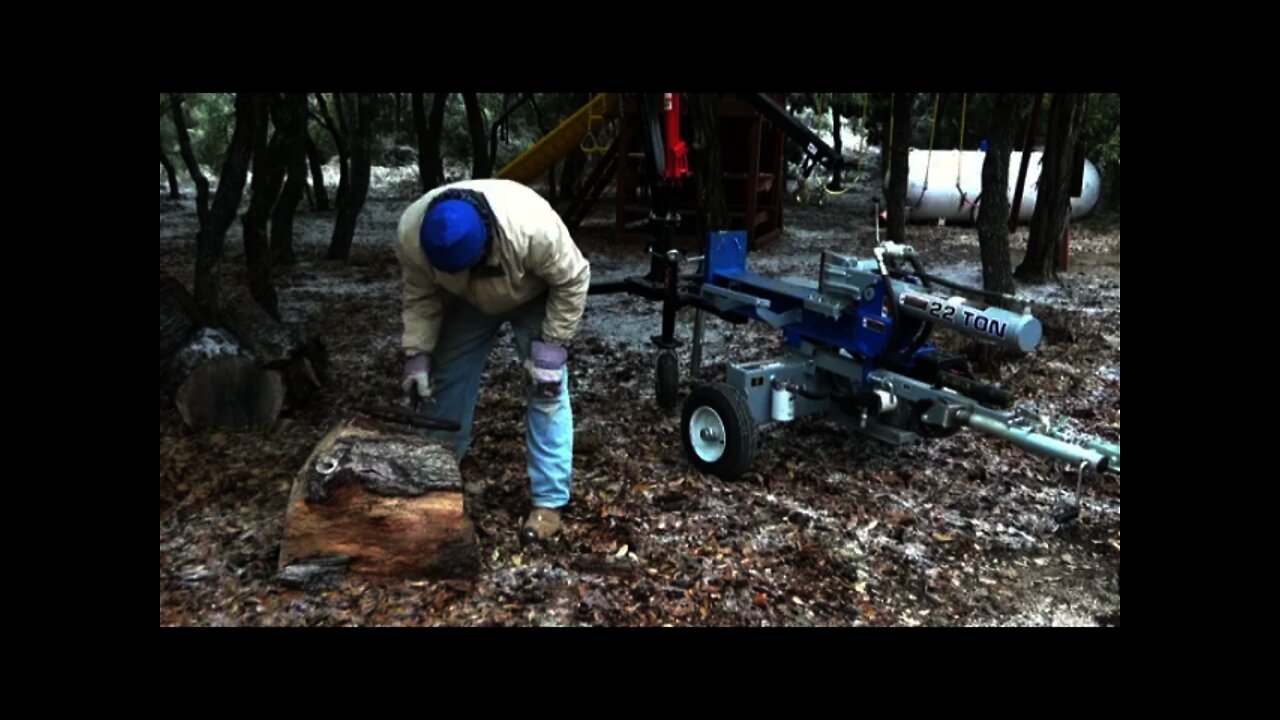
(435, 130)
(340, 101)
(317, 174)
(882, 134)
(292, 122)
(189, 157)
(172, 173)
(1053, 191)
(900, 145)
(993, 211)
(708, 164)
(376, 500)
(339, 141)
(938, 123)
(226, 201)
(1028, 141)
(479, 148)
(395, 125)
(505, 131)
(338, 131)
(268, 172)
(352, 200)
(837, 144)
(537, 115)
(571, 176)
(418, 103)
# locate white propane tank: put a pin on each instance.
(941, 200)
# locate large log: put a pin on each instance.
(379, 501)
(301, 359)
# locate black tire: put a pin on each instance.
(730, 408)
(667, 380)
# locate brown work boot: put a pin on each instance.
(542, 525)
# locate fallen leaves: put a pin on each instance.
(877, 519)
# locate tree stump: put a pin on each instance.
(230, 392)
(237, 370)
(377, 501)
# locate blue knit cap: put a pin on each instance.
(452, 235)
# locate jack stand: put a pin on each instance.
(1070, 511)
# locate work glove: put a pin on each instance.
(417, 379)
(546, 368)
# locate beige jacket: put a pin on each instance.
(532, 254)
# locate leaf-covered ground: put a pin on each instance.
(828, 528)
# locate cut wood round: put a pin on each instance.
(230, 392)
(376, 500)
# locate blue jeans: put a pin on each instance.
(456, 367)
